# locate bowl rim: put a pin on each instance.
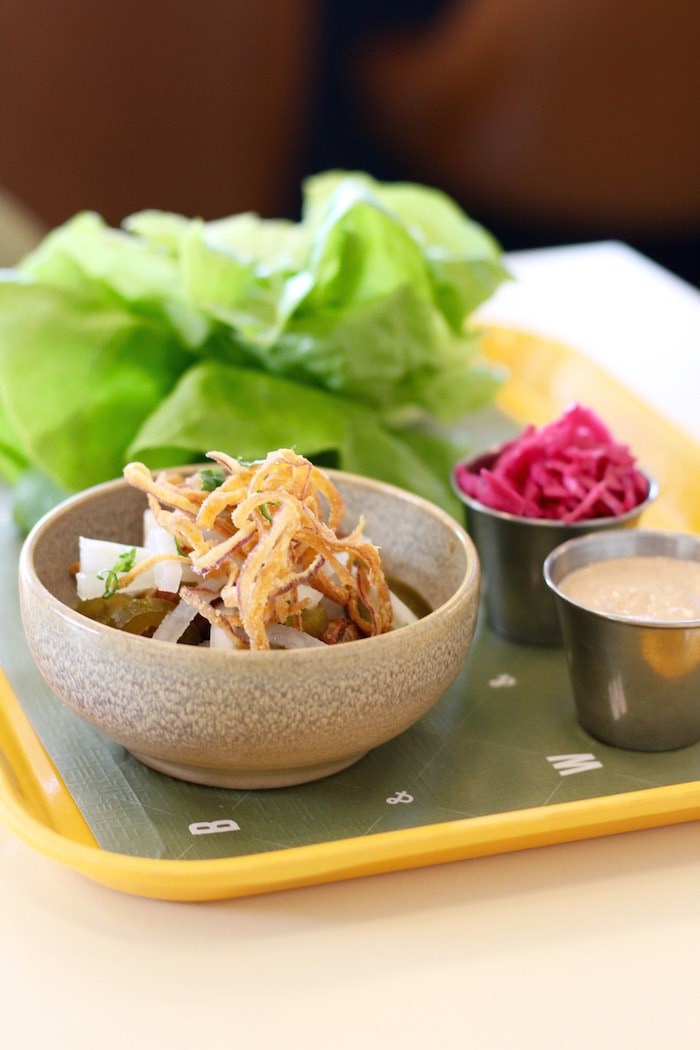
(589, 524)
(469, 582)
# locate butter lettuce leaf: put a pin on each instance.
(462, 259)
(248, 413)
(343, 334)
(104, 267)
(77, 383)
(240, 410)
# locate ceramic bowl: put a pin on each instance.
(252, 719)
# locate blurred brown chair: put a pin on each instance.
(555, 112)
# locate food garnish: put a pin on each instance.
(259, 557)
(123, 564)
(570, 470)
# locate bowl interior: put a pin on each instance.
(420, 545)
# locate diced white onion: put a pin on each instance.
(289, 638)
(97, 557)
(305, 592)
(218, 639)
(149, 522)
(175, 623)
(168, 574)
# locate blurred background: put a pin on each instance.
(550, 121)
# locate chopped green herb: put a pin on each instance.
(212, 478)
(124, 563)
(264, 509)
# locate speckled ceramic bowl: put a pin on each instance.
(252, 719)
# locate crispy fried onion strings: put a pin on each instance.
(265, 530)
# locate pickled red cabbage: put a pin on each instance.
(570, 470)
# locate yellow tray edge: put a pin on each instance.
(462, 839)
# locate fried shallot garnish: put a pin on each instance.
(260, 531)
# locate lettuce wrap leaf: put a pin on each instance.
(248, 413)
(345, 334)
(77, 383)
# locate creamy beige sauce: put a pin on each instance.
(643, 588)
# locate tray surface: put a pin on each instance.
(499, 763)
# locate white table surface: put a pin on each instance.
(588, 945)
